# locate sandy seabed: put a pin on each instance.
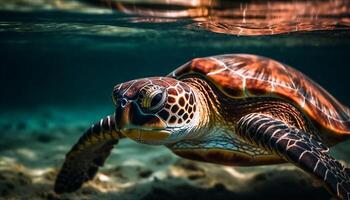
(33, 145)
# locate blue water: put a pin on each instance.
(63, 58)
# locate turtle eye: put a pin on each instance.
(152, 100)
(156, 100)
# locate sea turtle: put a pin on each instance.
(233, 109)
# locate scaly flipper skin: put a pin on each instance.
(297, 147)
(87, 155)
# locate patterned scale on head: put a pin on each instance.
(155, 110)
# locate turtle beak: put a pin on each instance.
(121, 116)
(140, 127)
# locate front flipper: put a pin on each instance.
(297, 147)
(87, 155)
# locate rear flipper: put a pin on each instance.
(297, 147)
(87, 155)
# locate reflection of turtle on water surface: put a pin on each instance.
(238, 110)
(240, 17)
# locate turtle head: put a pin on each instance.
(155, 110)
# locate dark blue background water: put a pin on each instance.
(52, 58)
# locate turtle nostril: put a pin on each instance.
(123, 102)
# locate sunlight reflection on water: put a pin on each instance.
(244, 17)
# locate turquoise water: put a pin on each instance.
(51, 58)
(59, 65)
